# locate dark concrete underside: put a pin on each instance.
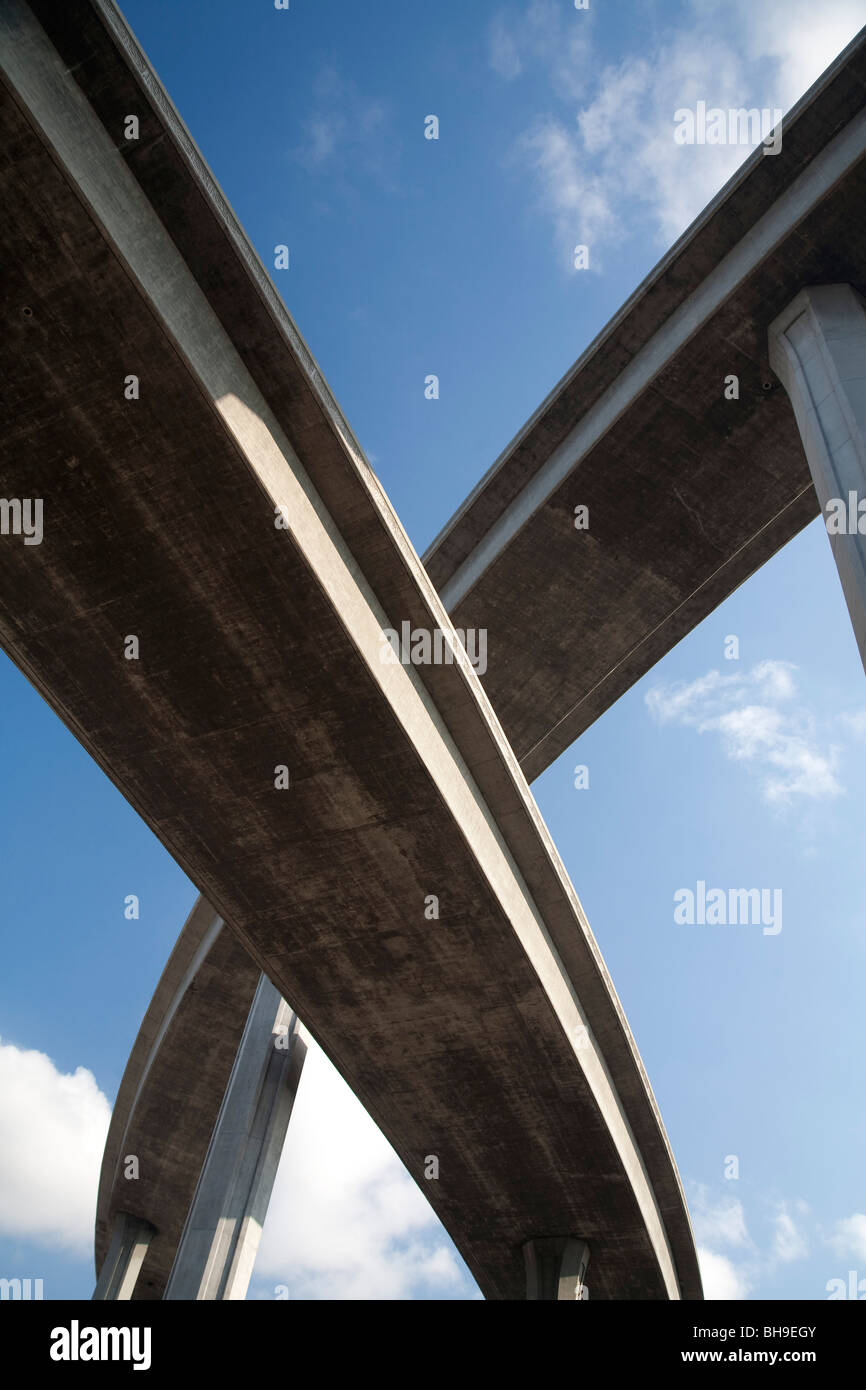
(170, 1094)
(156, 526)
(688, 493)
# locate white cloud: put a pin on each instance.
(732, 1264)
(547, 34)
(503, 55)
(345, 133)
(759, 725)
(718, 1223)
(848, 1237)
(798, 36)
(855, 723)
(789, 1240)
(596, 166)
(54, 1127)
(346, 1221)
(775, 679)
(721, 1278)
(575, 199)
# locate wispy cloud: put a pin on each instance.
(503, 51)
(346, 133)
(718, 1222)
(604, 151)
(733, 1265)
(848, 1237)
(789, 1237)
(575, 198)
(760, 724)
(545, 34)
(720, 1229)
(855, 723)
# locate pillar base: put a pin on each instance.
(130, 1239)
(556, 1268)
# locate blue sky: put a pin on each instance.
(408, 257)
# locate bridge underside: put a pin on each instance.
(259, 647)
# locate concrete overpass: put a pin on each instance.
(224, 518)
(705, 500)
(688, 492)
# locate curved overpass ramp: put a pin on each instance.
(492, 1036)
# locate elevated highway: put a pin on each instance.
(225, 519)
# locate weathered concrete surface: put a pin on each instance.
(261, 646)
(688, 493)
(818, 349)
(749, 452)
(171, 1091)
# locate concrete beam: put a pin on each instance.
(218, 1247)
(818, 350)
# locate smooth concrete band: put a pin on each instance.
(130, 1238)
(818, 351)
(218, 1247)
(556, 1269)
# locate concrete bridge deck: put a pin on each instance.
(490, 1037)
(689, 533)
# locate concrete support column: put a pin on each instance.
(130, 1238)
(556, 1268)
(218, 1247)
(818, 350)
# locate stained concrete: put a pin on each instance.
(261, 646)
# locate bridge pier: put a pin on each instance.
(130, 1238)
(818, 351)
(556, 1268)
(218, 1247)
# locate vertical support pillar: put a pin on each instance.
(218, 1246)
(556, 1269)
(818, 351)
(130, 1238)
